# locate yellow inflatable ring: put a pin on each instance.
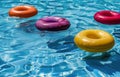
(94, 40)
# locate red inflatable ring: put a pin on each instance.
(107, 17)
(23, 11)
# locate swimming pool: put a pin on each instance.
(28, 52)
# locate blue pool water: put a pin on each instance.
(28, 52)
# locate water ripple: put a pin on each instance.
(28, 52)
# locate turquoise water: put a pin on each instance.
(28, 52)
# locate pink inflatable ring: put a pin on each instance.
(107, 17)
(52, 23)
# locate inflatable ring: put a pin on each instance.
(52, 23)
(23, 11)
(94, 40)
(107, 17)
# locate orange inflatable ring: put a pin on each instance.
(23, 11)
